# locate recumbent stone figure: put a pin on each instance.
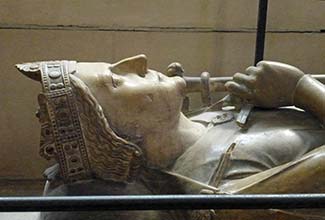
(118, 129)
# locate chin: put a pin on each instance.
(180, 84)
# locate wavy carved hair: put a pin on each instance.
(110, 156)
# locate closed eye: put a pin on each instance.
(113, 82)
(159, 78)
(116, 80)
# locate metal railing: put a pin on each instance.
(162, 202)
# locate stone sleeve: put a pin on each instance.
(310, 96)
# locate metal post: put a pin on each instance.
(261, 27)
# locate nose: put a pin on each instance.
(137, 64)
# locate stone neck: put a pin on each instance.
(162, 145)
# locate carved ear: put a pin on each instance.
(31, 70)
(137, 64)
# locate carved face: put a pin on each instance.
(133, 97)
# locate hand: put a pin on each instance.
(269, 84)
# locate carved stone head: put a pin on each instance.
(93, 115)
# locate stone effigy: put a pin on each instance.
(118, 129)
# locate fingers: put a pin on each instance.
(252, 70)
(248, 81)
(239, 90)
(268, 64)
(263, 63)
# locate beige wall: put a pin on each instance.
(204, 35)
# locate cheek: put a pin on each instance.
(156, 104)
(142, 106)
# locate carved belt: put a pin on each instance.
(61, 136)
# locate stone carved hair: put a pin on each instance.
(110, 156)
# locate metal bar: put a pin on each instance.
(161, 202)
(261, 27)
